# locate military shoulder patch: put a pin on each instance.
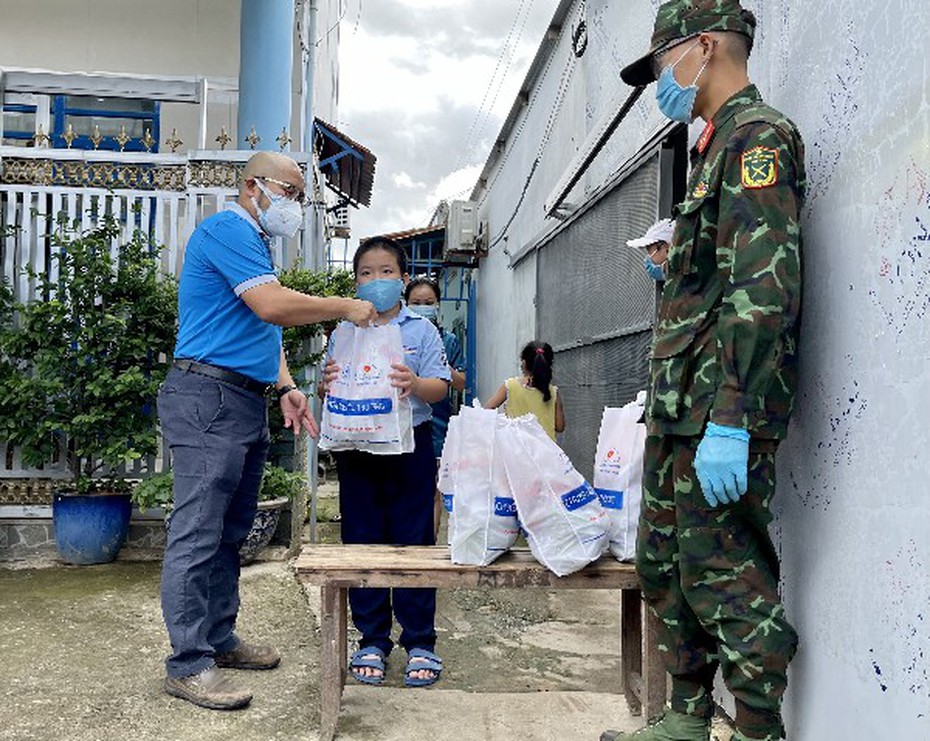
(759, 167)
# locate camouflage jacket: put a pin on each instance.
(726, 337)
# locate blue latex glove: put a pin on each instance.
(656, 272)
(722, 463)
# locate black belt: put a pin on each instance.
(227, 376)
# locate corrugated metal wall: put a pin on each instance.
(595, 306)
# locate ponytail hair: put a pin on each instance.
(537, 357)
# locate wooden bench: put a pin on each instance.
(336, 568)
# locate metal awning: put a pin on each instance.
(348, 166)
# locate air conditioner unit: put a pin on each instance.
(462, 228)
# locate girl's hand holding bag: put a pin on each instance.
(362, 410)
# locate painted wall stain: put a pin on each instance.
(836, 446)
(902, 223)
(878, 673)
(910, 631)
(826, 145)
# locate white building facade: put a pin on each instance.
(131, 108)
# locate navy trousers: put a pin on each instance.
(389, 499)
(218, 436)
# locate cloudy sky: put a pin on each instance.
(426, 85)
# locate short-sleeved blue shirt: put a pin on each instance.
(423, 354)
(226, 256)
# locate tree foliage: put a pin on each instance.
(81, 362)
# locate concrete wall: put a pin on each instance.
(569, 97)
(853, 518)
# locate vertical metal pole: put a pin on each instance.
(266, 50)
(2, 96)
(202, 134)
(310, 22)
(310, 257)
(471, 341)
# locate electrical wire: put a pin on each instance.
(483, 114)
(502, 234)
(519, 130)
(564, 84)
(344, 4)
(466, 149)
(358, 18)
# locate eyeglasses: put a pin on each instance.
(655, 247)
(655, 59)
(291, 191)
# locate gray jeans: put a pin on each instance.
(218, 436)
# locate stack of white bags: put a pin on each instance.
(498, 475)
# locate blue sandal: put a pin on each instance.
(359, 661)
(419, 659)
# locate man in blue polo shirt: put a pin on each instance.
(213, 412)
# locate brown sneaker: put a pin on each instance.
(249, 656)
(209, 689)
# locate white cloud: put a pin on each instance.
(403, 180)
(429, 4)
(413, 76)
(456, 185)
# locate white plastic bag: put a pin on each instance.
(618, 473)
(565, 525)
(362, 410)
(482, 514)
(448, 464)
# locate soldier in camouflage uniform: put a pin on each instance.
(722, 380)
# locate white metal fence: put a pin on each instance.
(163, 195)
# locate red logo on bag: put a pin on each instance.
(611, 461)
(368, 374)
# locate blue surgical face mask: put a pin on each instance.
(656, 272)
(675, 101)
(427, 311)
(384, 293)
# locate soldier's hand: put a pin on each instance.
(722, 464)
(361, 313)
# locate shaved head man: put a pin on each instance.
(213, 410)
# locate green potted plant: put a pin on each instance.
(279, 488)
(82, 360)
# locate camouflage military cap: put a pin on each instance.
(681, 19)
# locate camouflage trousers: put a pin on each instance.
(711, 575)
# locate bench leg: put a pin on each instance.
(332, 659)
(343, 625)
(655, 679)
(631, 648)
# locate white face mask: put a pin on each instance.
(283, 216)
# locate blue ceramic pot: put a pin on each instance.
(90, 528)
(263, 527)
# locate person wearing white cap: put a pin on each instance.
(655, 241)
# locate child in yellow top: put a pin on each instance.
(533, 392)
